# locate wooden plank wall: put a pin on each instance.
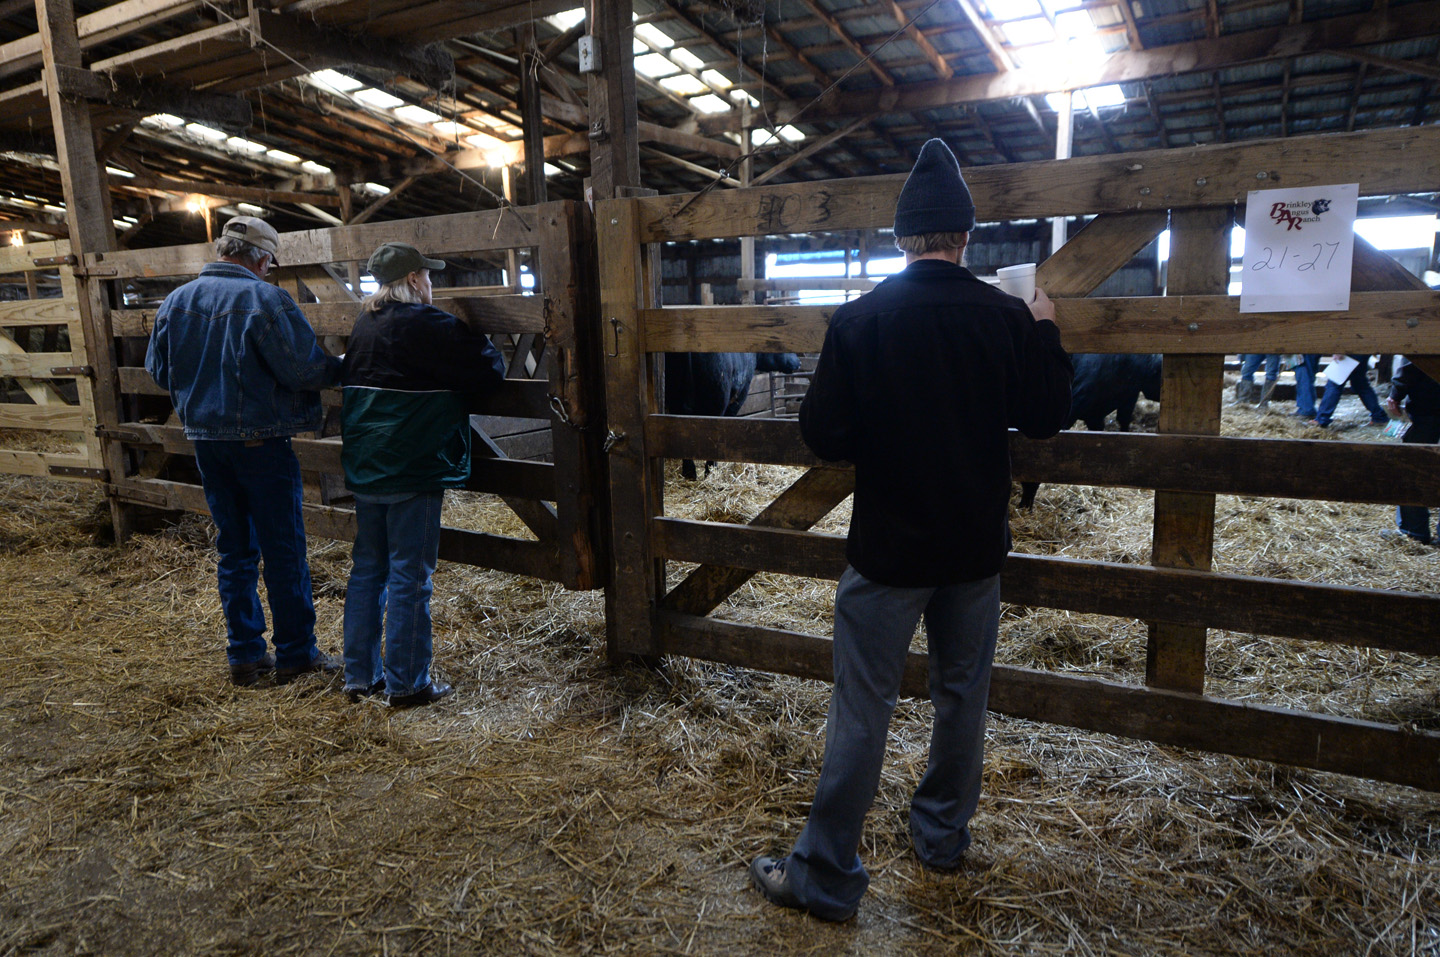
(546, 399)
(1198, 193)
(47, 407)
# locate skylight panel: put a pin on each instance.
(1013, 9)
(1029, 32)
(122, 173)
(653, 65)
(566, 19)
(1108, 95)
(310, 166)
(249, 209)
(451, 128)
(654, 36)
(1076, 23)
(378, 98)
(163, 119)
(417, 114)
(684, 84)
(686, 59)
(710, 103)
(242, 145)
(788, 133)
(483, 141)
(716, 79)
(375, 188)
(281, 156)
(1098, 96)
(334, 81)
(206, 132)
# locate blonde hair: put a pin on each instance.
(397, 291)
(931, 242)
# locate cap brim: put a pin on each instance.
(432, 263)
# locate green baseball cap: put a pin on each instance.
(392, 261)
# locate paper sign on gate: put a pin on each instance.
(1299, 244)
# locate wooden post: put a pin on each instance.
(92, 233)
(747, 173)
(1064, 134)
(347, 213)
(565, 274)
(532, 125)
(1189, 403)
(614, 141)
(630, 395)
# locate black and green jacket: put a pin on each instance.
(411, 375)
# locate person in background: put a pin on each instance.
(1359, 381)
(1419, 395)
(244, 372)
(1306, 367)
(1245, 388)
(929, 529)
(411, 374)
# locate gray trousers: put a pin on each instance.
(874, 625)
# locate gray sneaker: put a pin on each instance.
(768, 876)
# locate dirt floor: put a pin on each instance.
(557, 806)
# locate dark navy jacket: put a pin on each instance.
(238, 358)
(918, 384)
(411, 374)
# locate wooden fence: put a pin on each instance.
(549, 383)
(1195, 193)
(47, 406)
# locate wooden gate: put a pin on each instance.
(548, 384)
(47, 403)
(1136, 195)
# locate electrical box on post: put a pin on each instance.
(589, 49)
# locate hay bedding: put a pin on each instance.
(555, 806)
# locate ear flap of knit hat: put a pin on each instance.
(935, 198)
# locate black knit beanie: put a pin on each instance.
(934, 198)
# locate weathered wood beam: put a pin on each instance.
(918, 36)
(308, 42)
(1404, 160)
(810, 149)
(112, 22)
(615, 155)
(369, 211)
(692, 167)
(1270, 43)
(127, 91)
(249, 194)
(59, 230)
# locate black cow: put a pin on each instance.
(716, 383)
(1105, 384)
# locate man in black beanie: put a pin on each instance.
(918, 384)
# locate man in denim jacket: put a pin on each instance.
(243, 369)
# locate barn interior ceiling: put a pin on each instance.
(326, 111)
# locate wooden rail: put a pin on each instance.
(1196, 194)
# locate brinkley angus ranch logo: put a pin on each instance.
(1299, 244)
(1295, 214)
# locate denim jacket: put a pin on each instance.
(238, 358)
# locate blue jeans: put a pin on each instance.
(873, 627)
(1414, 520)
(397, 546)
(1250, 361)
(254, 493)
(1305, 386)
(1358, 381)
